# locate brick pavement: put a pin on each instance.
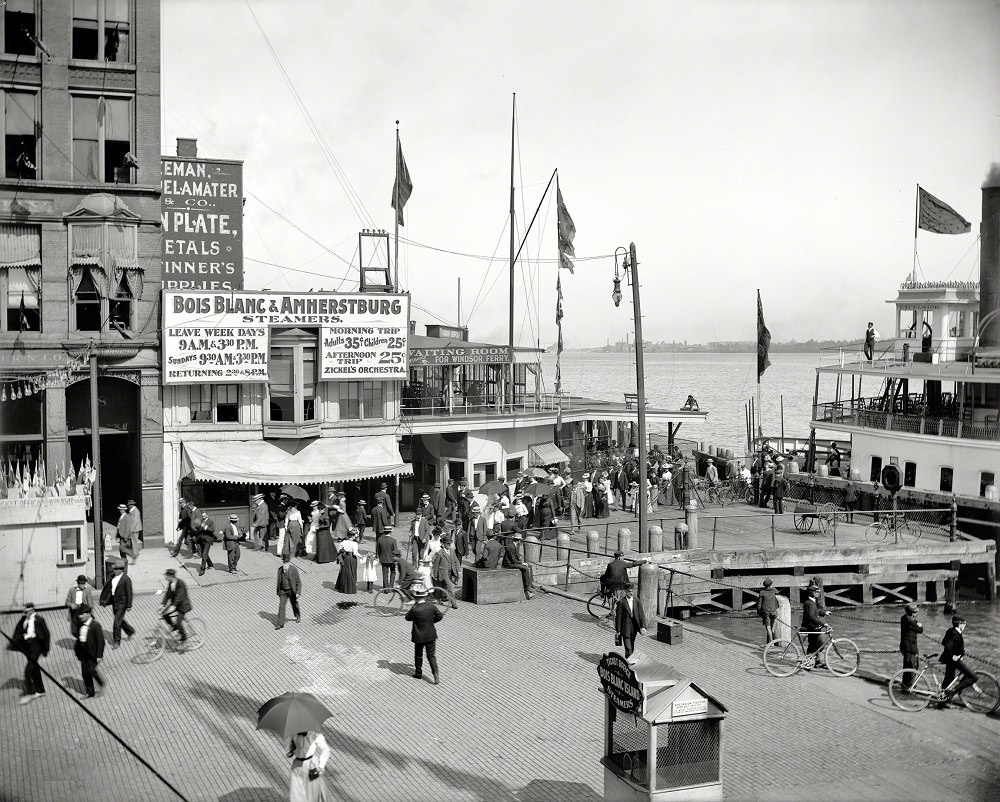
(517, 716)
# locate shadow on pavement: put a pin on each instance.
(13, 683)
(403, 669)
(271, 618)
(589, 657)
(254, 795)
(75, 684)
(548, 790)
(65, 643)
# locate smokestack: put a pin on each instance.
(187, 148)
(989, 259)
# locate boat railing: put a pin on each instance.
(868, 414)
(544, 402)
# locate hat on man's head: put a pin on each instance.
(425, 495)
(553, 470)
(361, 503)
(619, 554)
(383, 486)
(911, 608)
(710, 459)
(586, 476)
(627, 585)
(234, 518)
(122, 507)
(956, 620)
(314, 503)
(256, 496)
(29, 605)
(131, 502)
(171, 572)
(83, 608)
(475, 506)
(419, 591)
(286, 558)
(812, 585)
(81, 578)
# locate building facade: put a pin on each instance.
(80, 242)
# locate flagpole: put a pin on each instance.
(916, 223)
(510, 374)
(395, 215)
(760, 431)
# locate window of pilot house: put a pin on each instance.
(947, 477)
(876, 474)
(101, 30)
(102, 135)
(292, 376)
(18, 22)
(215, 403)
(909, 474)
(361, 400)
(986, 478)
(20, 278)
(20, 142)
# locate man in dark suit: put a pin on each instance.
(289, 589)
(408, 578)
(951, 656)
(89, 650)
(206, 537)
(451, 501)
(117, 592)
(261, 522)
(183, 526)
(909, 628)
(176, 604)
(383, 496)
(77, 595)
(629, 620)
(512, 559)
(387, 550)
(615, 576)
(779, 486)
(445, 568)
(420, 534)
(381, 521)
(424, 616)
(31, 638)
(491, 554)
(231, 542)
(478, 530)
(812, 614)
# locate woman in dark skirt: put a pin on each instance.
(326, 551)
(347, 579)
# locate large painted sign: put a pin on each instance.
(620, 684)
(461, 354)
(225, 337)
(202, 215)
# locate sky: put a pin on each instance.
(773, 145)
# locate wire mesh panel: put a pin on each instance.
(687, 753)
(629, 745)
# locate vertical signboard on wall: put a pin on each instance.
(202, 215)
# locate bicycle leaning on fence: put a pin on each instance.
(152, 644)
(604, 604)
(912, 689)
(895, 524)
(782, 658)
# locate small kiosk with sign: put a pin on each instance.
(662, 733)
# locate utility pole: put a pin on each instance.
(640, 387)
(95, 491)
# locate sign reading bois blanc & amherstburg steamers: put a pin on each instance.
(213, 337)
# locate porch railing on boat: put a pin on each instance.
(866, 414)
(544, 402)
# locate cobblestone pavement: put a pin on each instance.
(518, 714)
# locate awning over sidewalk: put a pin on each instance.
(546, 454)
(334, 459)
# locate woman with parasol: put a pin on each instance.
(300, 716)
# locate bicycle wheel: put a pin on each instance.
(149, 646)
(442, 599)
(747, 494)
(876, 532)
(781, 658)
(388, 601)
(909, 532)
(842, 657)
(911, 690)
(195, 628)
(987, 698)
(725, 495)
(597, 605)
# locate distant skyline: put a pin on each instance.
(773, 145)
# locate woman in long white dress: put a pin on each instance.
(309, 752)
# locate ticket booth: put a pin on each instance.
(662, 733)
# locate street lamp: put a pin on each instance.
(630, 271)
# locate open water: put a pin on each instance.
(722, 383)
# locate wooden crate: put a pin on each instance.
(485, 586)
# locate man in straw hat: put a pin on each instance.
(117, 592)
(124, 532)
(31, 638)
(424, 615)
(231, 542)
(89, 649)
(260, 521)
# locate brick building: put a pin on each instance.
(80, 241)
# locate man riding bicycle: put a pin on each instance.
(175, 603)
(811, 623)
(951, 656)
(615, 576)
(408, 577)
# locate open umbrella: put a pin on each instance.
(496, 486)
(481, 499)
(295, 492)
(291, 713)
(539, 473)
(536, 489)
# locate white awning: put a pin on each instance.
(546, 454)
(332, 459)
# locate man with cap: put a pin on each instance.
(465, 497)
(420, 533)
(231, 542)
(124, 532)
(812, 623)
(767, 609)
(117, 592)
(183, 528)
(951, 656)
(424, 506)
(629, 620)
(512, 559)
(31, 638)
(89, 649)
(479, 528)
(712, 473)
(206, 537)
(260, 522)
(520, 510)
(451, 501)
(490, 553)
(424, 615)
(615, 575)
(77, 595)
(381, 521)
(289, 589)
(833, 459)
(779, 487)
(383, 496)
(909, 628)
(176, 603)
(387, 550)
(445, 568)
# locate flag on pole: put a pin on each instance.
(763, 341)
(567, 231)
(559, 342)
(22, 314)
(402, 187)
(936, 216)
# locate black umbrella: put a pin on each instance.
(294, 491)
(292, 713)
(493, 486)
